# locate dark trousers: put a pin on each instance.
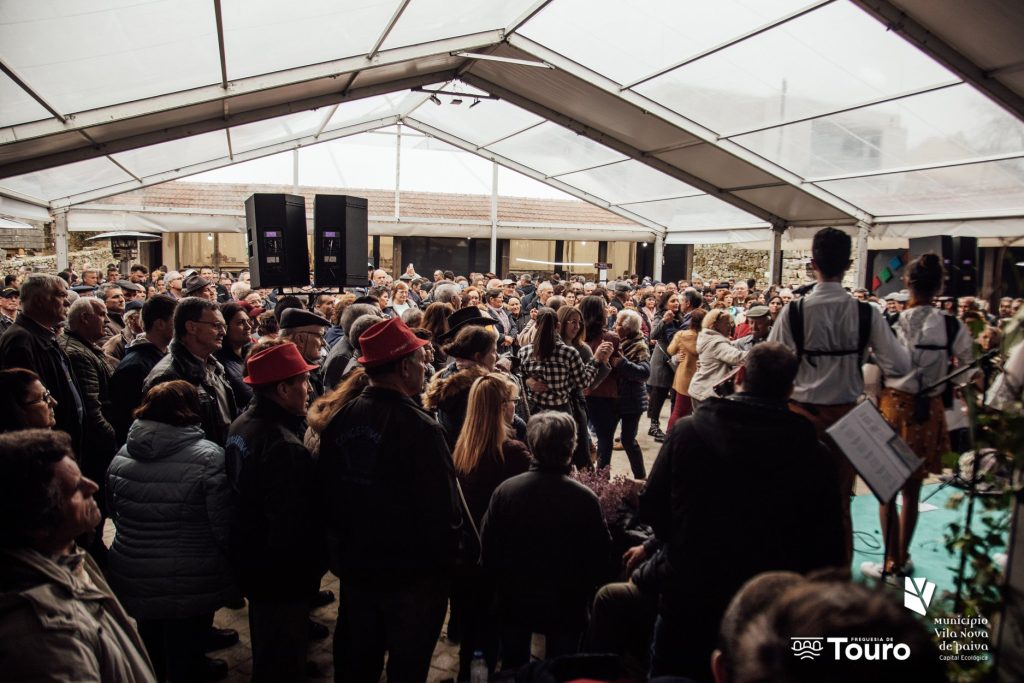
(472, 597)
(605, 417)
(401, 619)
(516, 639)
(656, 397)
(279, 630)
(682, 647)
(177, 646)
(622, 623)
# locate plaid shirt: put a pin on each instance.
(564, 373)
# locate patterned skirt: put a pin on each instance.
(929, 439)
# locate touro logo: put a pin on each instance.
(851, 649)
(918, 594)
(807, 648)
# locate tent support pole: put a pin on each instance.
(775, 257)
(659, 255)
(60, 238)
(494, 217)
(862, 255)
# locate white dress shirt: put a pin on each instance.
(926, 325)
(832, 322)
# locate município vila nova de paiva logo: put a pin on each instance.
(959, 638)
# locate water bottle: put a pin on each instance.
(478, 668)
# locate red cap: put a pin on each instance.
(279, 362)
(386, 341)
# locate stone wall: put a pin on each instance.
(97, 257)
(723, 261)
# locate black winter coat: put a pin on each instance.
(276, 546)
(741, 487)
(387, 490)
(546, 545)
(126, 384)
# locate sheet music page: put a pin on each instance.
(881, 458)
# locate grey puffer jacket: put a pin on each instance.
(169, 499)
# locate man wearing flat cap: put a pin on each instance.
(387, 493)
(9, 302)
(306, 330)
(759, 324)
(276, 540)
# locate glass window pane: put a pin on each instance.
(427, 20)
(628, 181)
(265, 133)
(693, 213)
(977, 187)
(261, 36)
(80, 55)
(626, 41)
(18, 105)
(552, 150)
(176, 154)
(834, 57)
(487, 122)
(953, 124)
(65, 181)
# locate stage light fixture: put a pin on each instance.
(436, 100)
(475, 102)
(457, 101)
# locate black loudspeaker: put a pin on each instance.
(276, 229)
(339, 240)
(960, 258)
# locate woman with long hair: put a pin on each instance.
(485, 455)
(327, 406)
(170, 502)
(435, 320)
(474, 352)
(602, 397)
(24, 402)
(683, 348)
(775, 307)
(553, 369)
(570, 331)
(668, 322)
(919, 421)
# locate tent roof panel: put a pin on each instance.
(426, 20)
(716, 166)
(784, 200)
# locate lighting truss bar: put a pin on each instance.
(245, 86)
(387, 30)
(454, 93)
(212, 124)
(854, 107)
(920, 167)
(693, 128)
(506, 60)
(730, 43)
(945, 54)
(13, 75)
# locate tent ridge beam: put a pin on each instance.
(244, 86)
(945, 54)
(222, 51)
(209, 125)
(622, 148)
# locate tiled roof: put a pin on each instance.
(179, 194)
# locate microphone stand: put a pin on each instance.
(970, 398)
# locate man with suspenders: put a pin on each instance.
(830, 332)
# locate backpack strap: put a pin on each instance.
(796, 326)
(864, 329)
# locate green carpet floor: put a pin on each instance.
(928, 550)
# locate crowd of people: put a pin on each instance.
(416, 437)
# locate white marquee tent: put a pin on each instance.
(741, 121)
